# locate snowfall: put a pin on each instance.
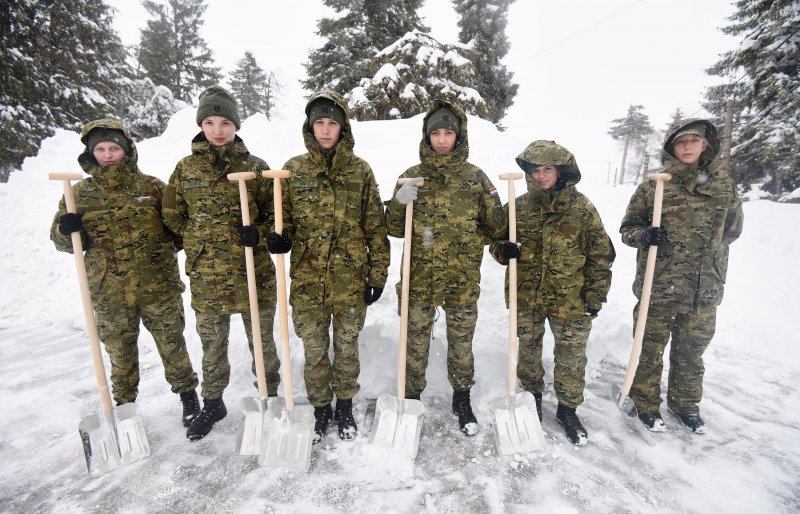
(748, 462)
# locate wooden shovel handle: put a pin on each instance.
(404, 292)
(644, 301)
(255, 322)
(513, 348)
(280, 275)
(86, 299)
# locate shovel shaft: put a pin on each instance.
(644, 301)
(255, 322)
(280, 275)
(404, 292)
(86, 299)
(513, 349)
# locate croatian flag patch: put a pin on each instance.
(493, 191)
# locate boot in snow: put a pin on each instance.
(567, 418)
(653, 421)
(323, 416)
(213, 411)
(191, 407)
(538, 398)
(463, 409)
(344, 419)
(691, 421)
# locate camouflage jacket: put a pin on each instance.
(202, 206)
(334, 214)
(457, 213)
(566, 255)
(702, 214)
(129, 253)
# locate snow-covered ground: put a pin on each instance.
(748, 461)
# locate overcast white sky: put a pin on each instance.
(579, 63)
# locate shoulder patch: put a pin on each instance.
(493, 191)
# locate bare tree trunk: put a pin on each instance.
(624, 158)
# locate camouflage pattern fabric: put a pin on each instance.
(457, 213)
(565, 254)
(334, 215)
(213, 330)
(702, 214)
(118, 327)
(569, 354)
(131, 265)
(202, 206)
(691, 334)
(461, 321)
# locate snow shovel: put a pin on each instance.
(517, 428)
(114, 437)
(251, 433)
(398, 419)
(290, 430)
(620, 396)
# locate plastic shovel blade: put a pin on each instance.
(131, 436)
(249, 437)
(398, 424)
(630, 414)
(288, 436)
(516, 424)
(99, 444)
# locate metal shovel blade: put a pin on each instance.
(398, 424)
(516, 424)
(131, 436)
(630, 414)
(250, 435)
(99, 444)
(288, 436)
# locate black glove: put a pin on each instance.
(248, 235)
(511, 250)
(279, 243)
(591, 312)
(371, 294)
(653, 236)
(69, 223)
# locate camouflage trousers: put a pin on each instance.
(461, 322)
(569, 354)
(118, 327)
(214, 329)
(325, 377)
(690, 336)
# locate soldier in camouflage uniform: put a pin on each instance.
(701, 217)
(333, 216)
(456, 213)
(130, 259)
(564, 273)
(202, 206)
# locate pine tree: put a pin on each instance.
(62, 65)
(362, 29)
(633, 130)
(764, 75)
(482, 25)
(148, 108)
(172, 53)
(410, 74)
(255, 90)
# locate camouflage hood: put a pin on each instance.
(343, 151)
(707, 158)
(460, 153)
(549, 153)
(87, 161)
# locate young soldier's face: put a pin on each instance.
(326, 132)
(443, 140)
(688, 149)
(108, 153)
(219, 130)
(545, 177)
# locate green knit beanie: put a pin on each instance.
(101, 134)
(442, 118)
(217, 101)
(325, 108)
